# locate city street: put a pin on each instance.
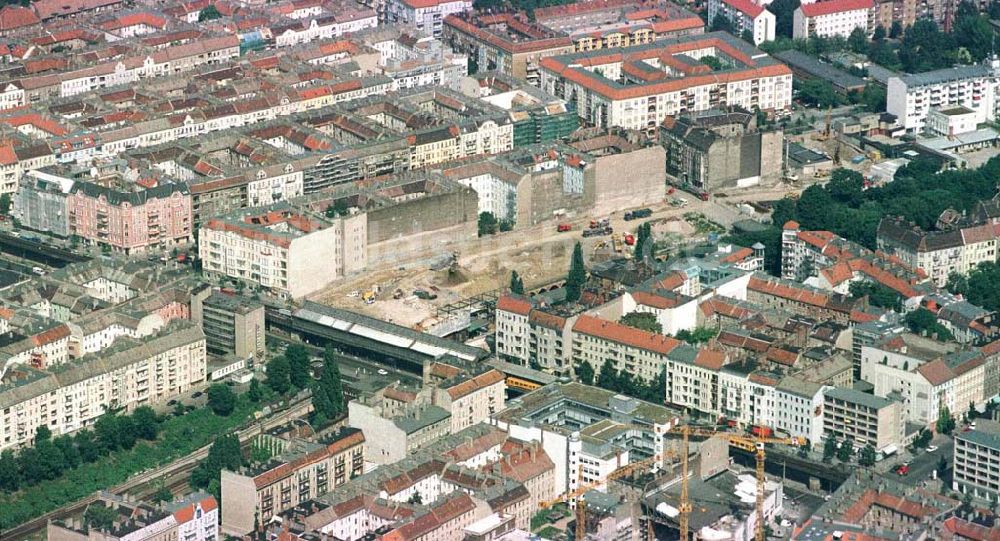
(923, 464)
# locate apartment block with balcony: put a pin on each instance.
(863, 419)
(938, 253)
(289, 250)
(744, 16)
(977, 462)
(911, 97)
(832, 18)
(424, 16)
(128, 374)
(299, 471)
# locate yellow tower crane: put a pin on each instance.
(751, 443)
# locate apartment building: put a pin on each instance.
(831, 18)
(926, 374)
(613, 24)
(424, 16)
(976, 462)
(129, 374)
(804, 300)
(911, 97)
(744, 16)
(863, 419)
(515, 51)
(588, 432)
(665, 78)
(640, 353)
(471, 400)
(938, 253)
(298, 471)
(232, 324)
(192, 518)
(718, 149)
(533, 337)
(286, 249)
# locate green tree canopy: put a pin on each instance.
(577, 276)
(516, 284)
(278, 374)
(645, 321)
(298, 365)
(585, 373)
(221, 399)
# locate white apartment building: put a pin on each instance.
(674, 312)
(425, 16)
(925, 381)
(832, 18)
(798, 409)
(863, 419)
(472, 400)
(977, 462)
(497, 195)
(744, 15)
(326, 28)
(911, 97)
(128, 375)
(284, 249)
(661, 86)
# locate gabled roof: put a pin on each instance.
(625, 335)
(835, 6)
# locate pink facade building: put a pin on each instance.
(129, 221)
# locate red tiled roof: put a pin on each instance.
(710, 358)
(517, 305)
(745, 6)
(13, 17)
(791, 224)
(782, 356)
(655, 301)
(52, 335)
(935, 372)
(965, 530)
(477, 383)
(623, 334)
(738, 255)
(835, 6)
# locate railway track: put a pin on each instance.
(178, 470)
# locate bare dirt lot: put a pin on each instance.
(539, 254)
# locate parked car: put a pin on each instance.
(562, 228)
(932, 448)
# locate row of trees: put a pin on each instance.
(981, 286)
(291, 372)
(918, 192)
(844, 451)
(623, 382)
(50, 457)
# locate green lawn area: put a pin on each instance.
(179, 436)
(549, 532)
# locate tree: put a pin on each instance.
(845, 450)
(645, 321)
(42, 433)
(867, 456)
(747, 36)
(879, 34)
(86, 443)
(644, 244)
(516, 284)
(224, 454)
(712, 61)
(858, 40)
(278, 375)
(298, 365)
(162, 494)
(10, 475)
(699, 335)
(5, 203)
(722, 24)
(878, 294)
(972, 32)
(99, 516)
(328, 393)
(488, 224)
(69, 452)
(923, 439)
(945, 422)
(896, 30)
(255, 393)
(818, 92)
(829, 447)
(209, 13)
(125, 428)
(784, 12)
(416, 498)
(577, 275)
(106, 430)
(221, 399)
(923, 321)
(585, 373)
(145, 422)
(608, 378)
(873, 97)
(259, 454)
(958, 284)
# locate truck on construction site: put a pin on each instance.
(598, 231)
(600, 224)
(638, 214)
(616, 243)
